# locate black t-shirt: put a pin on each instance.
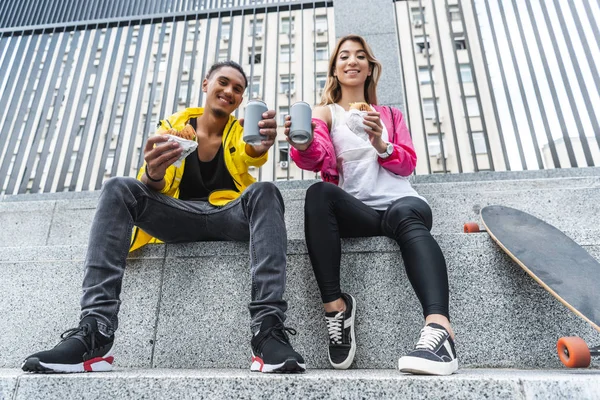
(201, 178)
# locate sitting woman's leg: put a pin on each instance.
(408, 221)
(330, 214)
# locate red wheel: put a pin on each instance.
(471, 227)
(573, 352)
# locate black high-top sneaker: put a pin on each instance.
(434, 353)
(82, 349)
(340, 328)
(272, 351)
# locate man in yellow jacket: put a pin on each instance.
(210, 196)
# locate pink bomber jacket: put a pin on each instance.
(320, 155)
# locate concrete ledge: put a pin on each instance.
(314, 384)
(559, 202)
(184, 306)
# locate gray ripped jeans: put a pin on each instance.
(256, 216)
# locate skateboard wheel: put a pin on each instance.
(573, 352)
(471, 227)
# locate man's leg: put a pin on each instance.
(257, 216)
(123, 202)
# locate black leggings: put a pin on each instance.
(330, 214)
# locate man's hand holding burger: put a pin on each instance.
(159, 155)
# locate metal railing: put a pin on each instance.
(519, 83)
(78, 101)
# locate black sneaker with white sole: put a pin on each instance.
(82, 349)
(434, 353)
(340, 328)
(272, 351)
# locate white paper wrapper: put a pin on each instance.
(187, 145)
(355, 123)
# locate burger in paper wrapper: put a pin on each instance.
(356, 115)
(186, 139)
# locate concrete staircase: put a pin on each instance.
(184, 322)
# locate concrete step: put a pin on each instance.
(184, 306)
(567, 203)
(314, 384)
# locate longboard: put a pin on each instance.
(556, 262)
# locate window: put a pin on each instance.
(257, 59)
(286, 53)
(287, 83)
(472, 106)
(321, 51)
(429, 108)
(465, 73)
(283, 147)
(192, 30)
(454, 11)
(157, 91)
(321, 24)
(128, 65)
(117, 126)
(109, 161)
(424, 77)
(321, 80)
(459, 42)
(433, 144)
(223, 55)
(421, 42)
(183, 89)
(123, 94)
(287, 25)
(254, 89)
(187, 61)
(418, 15)
(225, 30)
(255, 27)
(283, 112)
(163, 62)
(479, 143)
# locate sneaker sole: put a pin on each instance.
(346, 364)
(420, 366)
(289, 366)
(98, 364)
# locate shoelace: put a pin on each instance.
(430, 338)
(79, 333)
(279, 332)
(335, 327)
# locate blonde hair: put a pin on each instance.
(332, 92)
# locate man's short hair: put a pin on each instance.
(229, 63)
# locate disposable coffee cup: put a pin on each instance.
(253, 114)
(300, 129)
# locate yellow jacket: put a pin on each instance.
(237, 162)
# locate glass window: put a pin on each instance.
(321, 23)
(321, 51)
(287, 25)
(454, 11)
(433, 144)
(183, 89)
(418, 15)
(257, 55)
(225, 30)
(459, 42)
(283, 112)
(187, 61)
(254, 89)
(424, 77)
(421, 42)
(287, 53)
(287, 82)
(472, 106)
(283, 147)
(321, 80)
(479, 142)
(466, 73)
(255, 28)
(428, 108)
